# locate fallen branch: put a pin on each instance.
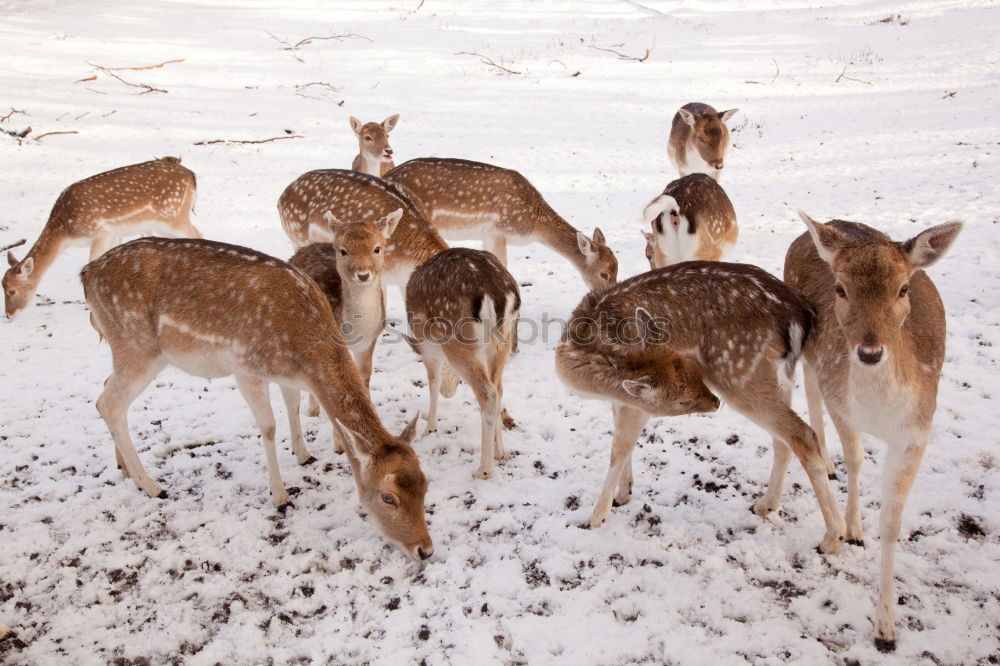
(487, 61)
(294, 48)
(773, 78)
(625, 56)
(17, 134)
(13, 245)
(276, 138)
(7, 117)
(849, 78)
(321, 84)
(146, 88)
(137, 69)
(949, 94)
(418, 7)
(42, 136)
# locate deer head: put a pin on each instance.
(600, 268)
(709, 134)
(373, 138)
(18, 287)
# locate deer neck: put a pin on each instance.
(370, 165)
(44, 252)
(558, 234)
(412, 245)
(338, 387)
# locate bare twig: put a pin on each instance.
(302, 86)
(418, 7)
(948, 94)
(136, 69)
(849, 78)
(13, 245)
(7, 117)
(17, 134)
(293, 49)
(487, 61)
(773, 78)
(42, 136)
(146, 88)
(276, 138)
(625, 56)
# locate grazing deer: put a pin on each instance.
(741, 327)
(155, 196)
(214, 309)
(348, 269)
(693, 219)
(875, 360)
(304, 204)
(699, 139)
(374, 152)
(463, 307)
(474, 201)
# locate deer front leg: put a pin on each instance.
(628, 426)
(854, 456)
(363, 359)
(902, 464)
(497, 244)
(255, 393)
(291, 397)
(814, 398)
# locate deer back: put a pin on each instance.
(692, 219)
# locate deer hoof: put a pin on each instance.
(885, 646)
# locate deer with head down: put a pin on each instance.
(693, 219)
(374, 152)
(213, 309)
(874, 360)
(706, 328)
(155, 196)
(699, 139)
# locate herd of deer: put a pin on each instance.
(854, 305)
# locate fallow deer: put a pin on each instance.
(359, 197)
(874, 359)
(463, 307)
(475, 201)
(693, 219)
(374, 152)
(213, 310)
(154, 196)
(741, 328)
(348, 269)
(699, 139)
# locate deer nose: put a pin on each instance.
(363, 277)
(869, 357)
(718, 165)
(388, 152)
(424, 553)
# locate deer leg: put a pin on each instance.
(901, 466)
(770, 501)
(254, 392)
(624, 493)
(628, 425)
(814, 397)
(496, 378)
(132, 374)
(497, 244)
(100, 245)
(312, 408)
(433, 365)
(489, 406)
(291, 397)
(363, 359)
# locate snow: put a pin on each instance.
(93, 571)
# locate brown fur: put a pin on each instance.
(374, 152)
(694, 205)
(704, 139)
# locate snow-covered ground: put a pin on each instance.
(92, 571)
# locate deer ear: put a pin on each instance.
(826, 239)
(320, 234)
(585, 245)
(687, 116)
(356, 446)
(27, 266)
(636, 389)
(726, 115)
(388, 223)
(928, 246)
(598, 237)
(410, 431)
(356, 125)
(11, 259)
(330, 218)
(648, 235)
(390, 123)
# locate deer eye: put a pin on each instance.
(605, 276)
(389, 499)
(343, 252)
(368, 138)
(840, 291)
(904, 290)
(10, 292)
(378, 250)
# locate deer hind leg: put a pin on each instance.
(182, 224)
(469, 365)
(770, 501)
(624, 493)
(814, 397)
(628, 424)
(901, 466)
(768, 407)
(254, 391)
(497, 244)
(496, 378)
(133, 372)
(291, 397)
(100, 245)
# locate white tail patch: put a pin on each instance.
(796, 338)
(671, 231)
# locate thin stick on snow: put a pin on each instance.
(12, 111)
(17, 134)
(42, 136)
(136, 69)
(146, 88)
(625, 56)
(13, 245)
(487, 61)
(276, 138)
(849, 78)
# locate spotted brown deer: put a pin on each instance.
(358, 197)
(874, 360)
(692, 219)
(463, 307)
(475, 201)
(699, 139)
(742, 330)
(374, 152)
(155, 196)
(213, 309)
(348, 269)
